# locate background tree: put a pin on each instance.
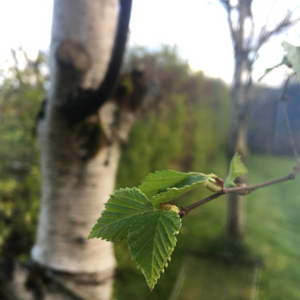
(20, 175)
(246, 43)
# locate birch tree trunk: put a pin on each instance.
(246, 47)
(80, 149)
(238, 129)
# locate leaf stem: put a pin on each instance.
(292, 175)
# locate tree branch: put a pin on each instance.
(228, 8)
(265, 35)
(184, 210)
(84, 103)
(249, 188)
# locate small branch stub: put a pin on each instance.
(72, 55)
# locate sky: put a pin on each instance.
(198, 27)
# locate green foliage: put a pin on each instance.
(142, 215)
(164, 186)
(293, 55)
(19, 207)
(21, 93)
(184, 130)
(186, 127)
(122, 209)
(292, 59)
(236, 169)
(198, 229)
(169, 135)
(272, 235)
(151, 241)
(150, 225)
(151, 230)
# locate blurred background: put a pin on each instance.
(188, 50)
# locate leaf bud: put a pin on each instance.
(214, 184)
(245, 192)
(169, 207)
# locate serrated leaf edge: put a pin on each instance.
(196, 184)
(164, 266)
(90, 236)
(162, 171)
(231, 183)
(176, 189)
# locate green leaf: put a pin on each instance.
(284, 61)
(236, 169)
(159, 181)
(151, 230)
(163, 186)
(152, 241)
(293, 55)
(122, 208)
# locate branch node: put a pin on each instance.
(291, 176)
(182, 212)
(72, 55)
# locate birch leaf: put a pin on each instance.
(236, 169)
(163, 186)
(152, 241)
(122, 208)
(150, 224)
(151, 230)
(293, 55)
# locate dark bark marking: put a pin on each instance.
(85, 102)
(40, 116)
(72, 55)
(91, 139)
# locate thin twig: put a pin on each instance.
(265, 34)
(184, 210)
(253, 187)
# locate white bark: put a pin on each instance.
(75, 185)
(73, 193)
(91, 23)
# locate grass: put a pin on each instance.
(272, 233)
(273, 227)
(203, 278)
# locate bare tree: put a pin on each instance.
(246, 45)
